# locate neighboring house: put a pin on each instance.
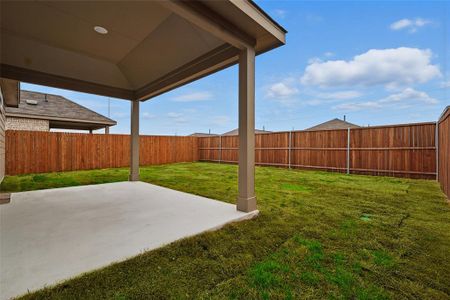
(333, 124)
(232, 132)
(42, 112)
(236, 132)
(200, 134)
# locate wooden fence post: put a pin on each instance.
(348, 150)
(436, 142)
(289, 149)
(220, 148)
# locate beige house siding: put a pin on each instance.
(2, 139)
(13, 123)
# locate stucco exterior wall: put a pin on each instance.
(13, 123)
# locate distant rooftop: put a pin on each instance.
(60, 111)
(236, 132)
(231, 132)
(201, 134)
(333, 124)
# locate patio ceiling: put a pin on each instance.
(151, 47)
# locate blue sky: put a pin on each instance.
(375, 62)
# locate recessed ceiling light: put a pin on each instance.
(100, 29)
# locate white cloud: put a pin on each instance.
(220, 120)
(313, 18)
(401, 24)
(445, 84)
(314, 60)
(177, 117)
(148, 116)
(280, 13)
(193, 97)
(329, 54)
(389, 67)
(406, 97)
(357, 106)
(120, 115)
(331, 97)
(409, 94)
(281, 90)
(409, 24)
(174, 115)
(341, 95)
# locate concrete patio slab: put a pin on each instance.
(51, 235)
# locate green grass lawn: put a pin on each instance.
(319, 235)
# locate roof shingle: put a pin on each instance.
(55, 106)
(333, 124)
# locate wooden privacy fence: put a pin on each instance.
(40, 152)
(444, 151)
(399, 150)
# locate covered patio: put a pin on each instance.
(133, 51)
(51, 235)
(139, 50)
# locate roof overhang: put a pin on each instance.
(65, 123)
(11, 91)
(75, 125)
(151, 47)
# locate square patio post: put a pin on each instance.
(246, 199)
(134, 142)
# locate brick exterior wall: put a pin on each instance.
(2, 138)
(13, 123)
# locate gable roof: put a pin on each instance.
(333, 124)
(55, 107)
(201, 134)
(236, 132)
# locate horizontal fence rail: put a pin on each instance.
(400, 150)
(41, 152)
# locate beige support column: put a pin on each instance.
(246, 199)
(134, 142)
(107, 130)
